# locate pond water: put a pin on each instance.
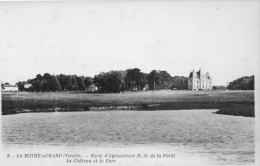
(220, 138)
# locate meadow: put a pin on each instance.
(239, 103)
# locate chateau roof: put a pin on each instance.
(191, 74)
(199, 74)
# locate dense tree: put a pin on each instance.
(153, 79)
(20, 85)
(117, 81)
(63, 81)
(81, 83)
(251, 83)
(88, 81)
(47, 83)
(110, 82)
(68, 85)
(244, 83)
(46, 76)
(54, 84)
(180, 83)
(48, 80)
(142, 81)
(165, 79)
(36, 83)
(100, 81)
(44, 85)
(74, 84)
(219, 87)
(133, 79)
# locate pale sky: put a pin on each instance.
(86, 38)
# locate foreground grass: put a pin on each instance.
(239, 103)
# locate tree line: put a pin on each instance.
(243, 83)
(136, 80)
(53, 83)
(121, 80)
(107, 82)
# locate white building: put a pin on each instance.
(199, 81)
(9, 88)
(92, 88)
(27, 86)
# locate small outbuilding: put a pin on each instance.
(27, 86)
(92, 88)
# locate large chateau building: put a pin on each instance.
(199, 81)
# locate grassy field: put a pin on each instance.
(239, 103)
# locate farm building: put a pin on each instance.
(91, 88)
(9, 88)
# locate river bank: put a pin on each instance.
(238, 103)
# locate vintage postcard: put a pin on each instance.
(120, 83)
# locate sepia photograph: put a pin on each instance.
(120, 83)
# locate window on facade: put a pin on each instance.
(197, 81)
